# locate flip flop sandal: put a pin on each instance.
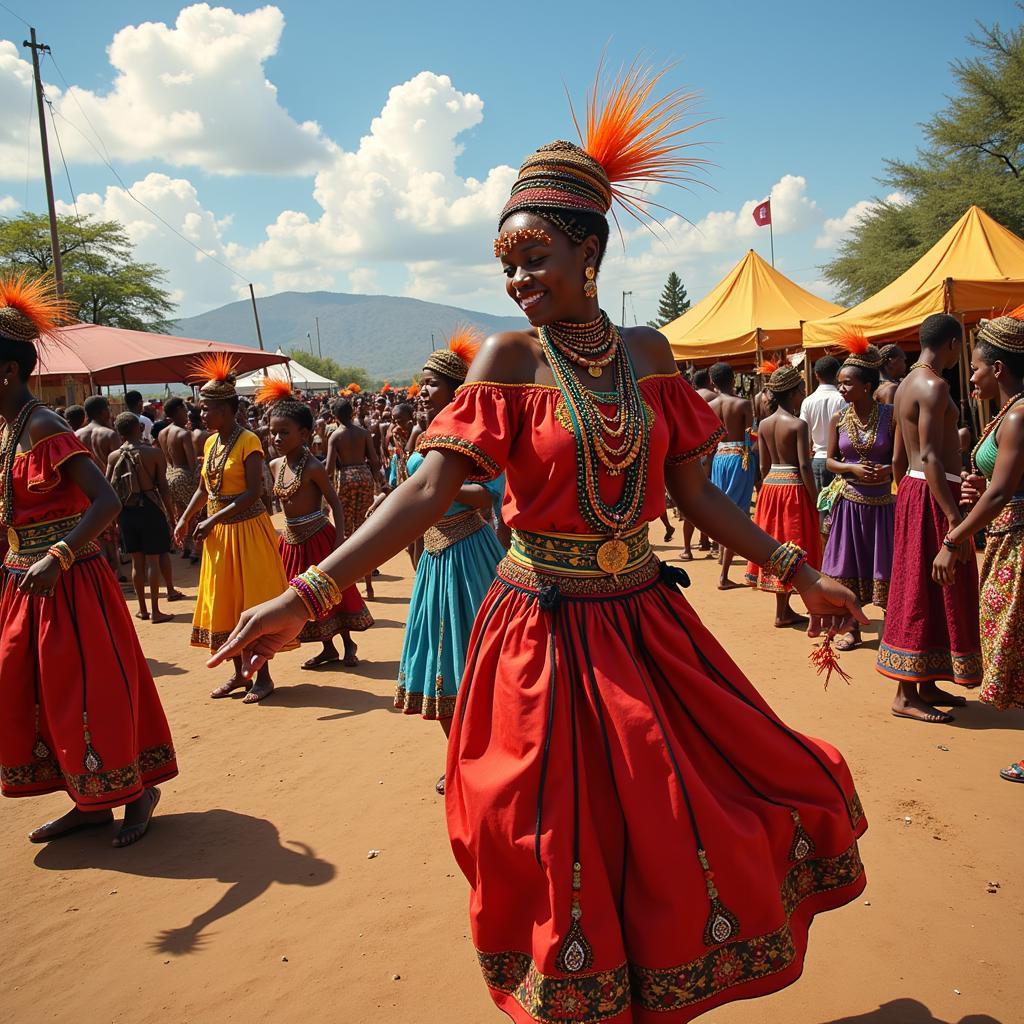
(39, 840)
(439, 785)
(1015, 773)
(138, 831)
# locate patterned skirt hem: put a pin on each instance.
(964, 669)
(874, 592)
(428, 707)
(327, 629)
(734, 970)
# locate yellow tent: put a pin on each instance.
(752, 308)
(975, 270)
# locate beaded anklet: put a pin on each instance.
(318, 592)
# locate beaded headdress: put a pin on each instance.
(780, 378)
(1006, 331)
(862, 352)
(30, 309)
(453, 361)
(628, 141)
(218, 370)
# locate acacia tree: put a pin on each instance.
(673, 303)
(101, 278)
(974, 154)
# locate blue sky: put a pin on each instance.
(806, 98)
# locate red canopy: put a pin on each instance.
(113, 355)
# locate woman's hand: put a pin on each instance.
(262, 632)
(41, 578)
(944, 566)
(833, 608)
(202, 531)
(972, 488)
(180, 532)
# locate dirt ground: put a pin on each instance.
(253, 898)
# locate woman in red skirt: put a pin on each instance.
(643, 837)
(786, 503)
(79, 711)
(302, 486)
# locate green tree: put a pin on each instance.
(332, 369)
(974, 154)
(673, 303)
(101, 278)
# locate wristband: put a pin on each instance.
(948, 544)
(318, 591)
(785, 562)
(63, 553)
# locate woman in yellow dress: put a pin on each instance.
(241, 566)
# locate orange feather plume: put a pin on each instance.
(36, 299)
(634, 135)
(767, 368)
(213, 366)
(273, 389)
(1017, 314)
(465, 341)
(412, 390)
(385, 387)
(855, 342)
(354, 388)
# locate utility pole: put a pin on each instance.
(256, 316)
(622, 322)
(309, 338)
(319, 350)
(58, 267)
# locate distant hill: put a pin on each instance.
(386, 335)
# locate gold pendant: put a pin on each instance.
(595, 371)
(612, 557)
(13, 542)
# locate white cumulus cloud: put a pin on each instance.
(838, 229)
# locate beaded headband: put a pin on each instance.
(780, 378)
(627, 143)
(862, 352)
(218, 370)
(1005, 332)
(30, 308)
(454, 360)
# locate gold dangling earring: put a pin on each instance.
(590, 288)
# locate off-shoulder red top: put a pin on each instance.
(38, 494)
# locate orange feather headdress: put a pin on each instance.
(1006, 331)
(218, 370)
(273, 390)
(30, 307)
(782, 377)
(413, 389)
(630, 138)
(862, 352)
(454, 360)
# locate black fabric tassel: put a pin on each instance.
(673, 576)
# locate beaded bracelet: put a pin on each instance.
(785, 562)
(64, 554)
(318, 592)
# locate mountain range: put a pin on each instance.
(387, 335)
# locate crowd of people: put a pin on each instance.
(640, 831)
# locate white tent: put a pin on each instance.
(301, 378)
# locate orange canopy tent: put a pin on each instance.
(96, 355)
(752, 308)
(975, 270)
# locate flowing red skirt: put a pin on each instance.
(77, 652)
(351, 614)
(615, 734)
(931, 632)
(785, 511)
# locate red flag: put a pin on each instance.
(763, 214)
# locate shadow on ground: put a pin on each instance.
(909, 1011)
(238, 849)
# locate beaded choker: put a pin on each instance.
(8, 449)
(591, 346)
(287, 492)
(617, 441)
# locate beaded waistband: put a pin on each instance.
(301, 528)
(254, 511)
(740, 448)
(581, 555)
(451, 529)
(28, 544)
(785, 475)
(851, 493)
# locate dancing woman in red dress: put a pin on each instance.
(643, 837)
(79, 711)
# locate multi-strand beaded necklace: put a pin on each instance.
(288, 491)
(993, 423)
(591, 346)
(218, 460)
(617, 441)
(862, 442)
(8, 450)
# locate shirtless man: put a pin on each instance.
(702, 385)
(145, 523)
(931, 632)
(175, 441)
(734, 468)
(784, 440)
(352, 459)
(894, 369)
(101, 440)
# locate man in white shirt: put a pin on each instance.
(817, 411)
(133, 403)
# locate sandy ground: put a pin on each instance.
(253, 898)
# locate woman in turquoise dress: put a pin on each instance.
(460, 556)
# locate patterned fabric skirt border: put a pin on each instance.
(1002, 610)
(355, 488)
(785, 512)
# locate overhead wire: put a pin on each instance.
(15, 14)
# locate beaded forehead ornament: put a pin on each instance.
(506, 242)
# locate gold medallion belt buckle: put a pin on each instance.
(13, 541)
(612, 556)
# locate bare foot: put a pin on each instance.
(351, 659)
(142, 615)
(670, 532)
(916, 709)
(369, 591)
(323, 658)
(930, 693)
(260, 690)
(728, 584)
(137, 816)
(159, 617)
(74, 821)
(225, 690)
(791, 619)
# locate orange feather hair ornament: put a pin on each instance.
(218, 370)
(354, 388)
(413, 389)
(767, 368)
(862, 352)
(273, 390)
(31, 308)
(1017, 314)
(454, 360)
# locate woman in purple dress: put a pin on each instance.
(859, 549)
